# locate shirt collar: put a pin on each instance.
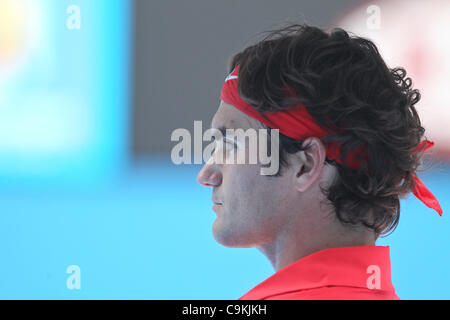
(345, 266)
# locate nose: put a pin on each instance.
(209, 176)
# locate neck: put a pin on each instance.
(293, 243)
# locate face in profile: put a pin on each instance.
(250, 207)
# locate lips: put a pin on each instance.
(217, 204)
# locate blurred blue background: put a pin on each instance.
(86, 177)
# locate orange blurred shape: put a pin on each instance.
(13, 30)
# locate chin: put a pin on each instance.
(231, 237)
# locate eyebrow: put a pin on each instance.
(222, 129)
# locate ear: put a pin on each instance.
(309, 164)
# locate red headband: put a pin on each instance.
(297, 123)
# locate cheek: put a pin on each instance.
(242, 180)
(251, 214)
(253, 197)
(238, 189)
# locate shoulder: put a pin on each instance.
(336, 293)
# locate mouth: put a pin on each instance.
(217, 204)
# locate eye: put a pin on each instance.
(230, 143)
(218, 144)
(225, 144)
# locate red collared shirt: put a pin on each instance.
(347, 273)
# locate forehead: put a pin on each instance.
(227, 116)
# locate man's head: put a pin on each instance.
(344, 83)
(252, 209)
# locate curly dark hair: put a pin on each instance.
(344, 77)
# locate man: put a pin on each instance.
(350, 141)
